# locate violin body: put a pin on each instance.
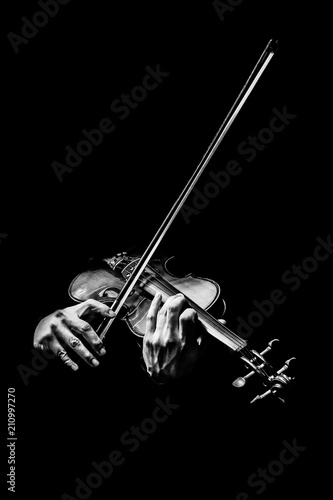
(105, 283)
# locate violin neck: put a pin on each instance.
(222, 333)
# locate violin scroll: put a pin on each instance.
(275, 381)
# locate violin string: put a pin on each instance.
(168, 288)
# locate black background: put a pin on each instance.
(64, 80)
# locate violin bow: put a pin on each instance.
(249, 85)
(274, 381)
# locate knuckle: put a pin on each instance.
(47, 337)
(67, 361)
(65, 320)
(92, 302)
(54, 330)
(150, 316)
(148, 344)
(85, 327)
(157, 345)
(62, 354)
(155, 370)
(181, 300)
(59, 313)
(97, 343)
(163, 312)
(172, 308)
(177, 303)
(189, 314)
(86, 354)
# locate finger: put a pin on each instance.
(187, 324)
(94, 306)
(223, 321)
(192, 330)
(152, 314)
(60, 352)
(170, 302)
(169, 315)
(148, 353)
(85, 329)
(63, 333)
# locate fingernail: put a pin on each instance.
(74, 367)
(102, 351)
(94, 362)
(112, 313)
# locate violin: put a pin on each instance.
(129, 282)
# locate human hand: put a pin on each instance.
(174, 338)
(61, 330)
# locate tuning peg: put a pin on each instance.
(241, 381)
(261, 396)
(269, 347)
(285, 366)
(260, 355)
(274, 390)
